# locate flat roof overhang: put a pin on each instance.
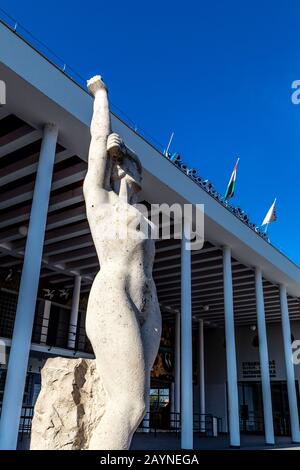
(38, 92)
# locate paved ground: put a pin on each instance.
(169, 441)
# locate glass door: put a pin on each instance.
(160, 408)
(280, 404)
(251, 408)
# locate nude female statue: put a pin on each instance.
(123, 320)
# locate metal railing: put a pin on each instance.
(49, 334)
(252, 424)
(282, 423)
(61, 335)
(25, 420)
(156, 421)
(203, 424)
(151, 423)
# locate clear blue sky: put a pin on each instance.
(218, 74)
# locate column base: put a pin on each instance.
(234, 447)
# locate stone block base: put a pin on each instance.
(69, 407)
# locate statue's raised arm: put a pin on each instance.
(103, 146)
(98, 163)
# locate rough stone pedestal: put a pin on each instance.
(69, 407)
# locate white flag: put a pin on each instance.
(271, 215)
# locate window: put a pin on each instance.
(159, 398)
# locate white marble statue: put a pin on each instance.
(98, 403)
(123, 319)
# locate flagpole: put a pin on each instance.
(267, 226)
(232, 179)
(169, 145)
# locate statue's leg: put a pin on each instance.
(114, 332)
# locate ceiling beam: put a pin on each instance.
(73, 255)
(57, 201)
(9, 141)
(61, 178)
(27, 166)
(64, 246)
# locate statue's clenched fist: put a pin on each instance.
(95, 84)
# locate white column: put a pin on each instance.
(233, 401)
(74, 313)
(172, 397)
(176, 408)
(177, 364)
(201, 376)
(264, 359)
(45, 321)
(21, 340)
(146, 420)
(186, 342)
(290, 373)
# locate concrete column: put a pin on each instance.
(146, 420)
(201, 376)
(264, 359)
(177, 384)
(74, 313)
(172, 398)
(290, 373)
(45, 322)
(186, 342)
(233, 401)
(176, 408)
(21, 340)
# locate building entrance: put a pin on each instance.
(251, 407)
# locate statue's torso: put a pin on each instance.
(125, 254)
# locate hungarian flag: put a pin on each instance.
(271, 215)
(231, 185)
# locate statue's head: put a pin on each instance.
(129, 166)
(127, 172)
